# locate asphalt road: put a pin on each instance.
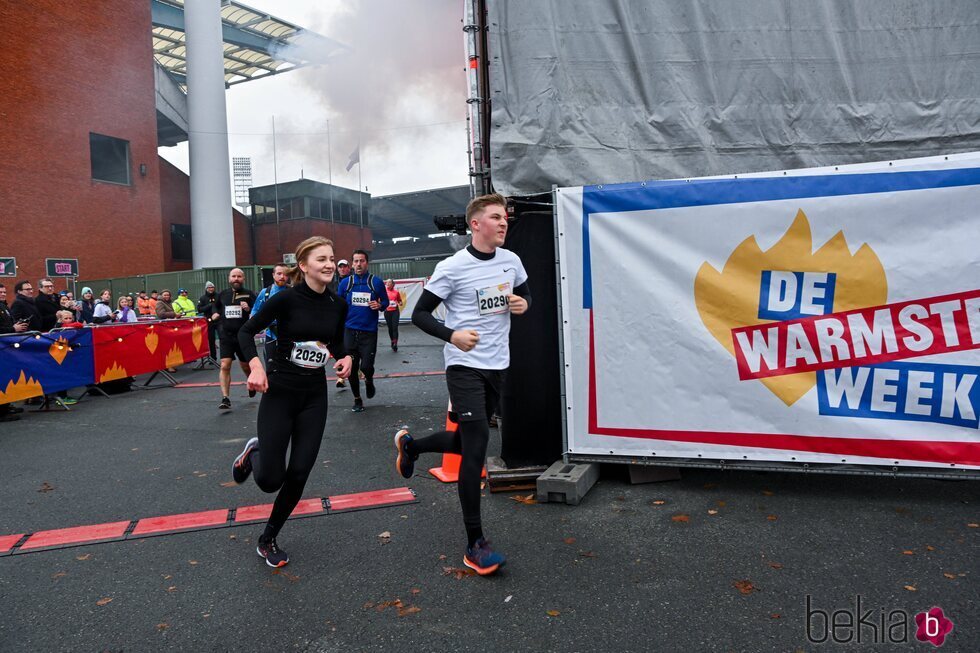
(718, 561)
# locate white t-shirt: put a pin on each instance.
(473, 292)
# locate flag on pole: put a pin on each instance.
(355, 158)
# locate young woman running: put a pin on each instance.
(293, 409)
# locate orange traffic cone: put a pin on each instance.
(448, 472)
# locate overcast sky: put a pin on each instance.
(401, 90)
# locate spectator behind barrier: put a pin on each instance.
(145, 305)
(87, 306)
(183, 305)
(24, 309)
(47, 304)
(66, 320)
(66, 304)
(125, 312)
(165, 309)
(103, 308)
(7, 322)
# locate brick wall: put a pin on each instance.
(70, 69)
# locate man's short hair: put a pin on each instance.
(43, 279)
(360, 251)
(279, 265)
(1, 285)
(477, 204)
(20, 285)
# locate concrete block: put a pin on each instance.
(566, 482)
(653, 474)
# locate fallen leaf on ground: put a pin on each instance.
(973, 525)
(721, 504)
(509, 597)
(775, 615)
(193, 562)
(368, 605)
(768, 493)
(104, 601)
(908, 552)
(229, 484)
(569, 540)
(46, 487)
(744, 586)
(407, 610)
(911, 588)
(775, 565)
(949, 575)
(458, 572)
(162, 627)
(680, 518)
(172, 588)
(232, 537)
(83, 557)
(929, 547)
(442, 556)
(588, 554)
(416, 591)
(712, 512)
(553, 613)
(525, 499)
(771, 517)
(658, 502)
(59, 574)
(285, 574)
(385, 537)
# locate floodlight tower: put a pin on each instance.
(241, 167)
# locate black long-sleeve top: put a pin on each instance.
(302, 314)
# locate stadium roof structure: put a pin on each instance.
(411, 214)
(256, 44)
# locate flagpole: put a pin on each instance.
(360, 211)
(329, 171)
(275, 179)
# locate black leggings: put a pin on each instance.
(470, 442)
(362, 347)
(391, 317)
(291, 414)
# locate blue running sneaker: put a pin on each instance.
(482, 559)
(405, 463)
(358, 405)
(242, 466)
(274, 556)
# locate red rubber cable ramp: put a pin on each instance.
(395, 375)
(64, 538)
(7, 543)
(189, 521)
(250, 514)
(375, 499)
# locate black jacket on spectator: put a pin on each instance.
(87, 312)
(24, 308)
(207, 305)
(47, 307)
(6, 322)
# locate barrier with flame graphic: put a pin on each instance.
(143, 348)
(33, 366)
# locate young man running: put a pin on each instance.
(293, 409)
(365, 295)
(481, 286)
(233, 308)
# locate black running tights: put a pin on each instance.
(470, 442)
(291, 414)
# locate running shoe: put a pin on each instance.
(274, 556)
(358, 406)
(225, 404)
(68, 401)
(369, 387)
(482, 559)
(340, 383)
(394, 346)
(405, 463)
(242, 466)
(251, 394)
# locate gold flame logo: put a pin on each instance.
(729, 299)
(23, 388)
(197, 336)
(58, 350)
(152, 340)
(175, 358)
(402, 300)
(117, 371)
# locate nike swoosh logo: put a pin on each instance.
(508, 269)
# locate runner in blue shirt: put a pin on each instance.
(280, 277)
(365, 295)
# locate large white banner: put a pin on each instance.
(827, 315)
(409, 292)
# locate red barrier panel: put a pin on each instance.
(123, 350)
(76, 535)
